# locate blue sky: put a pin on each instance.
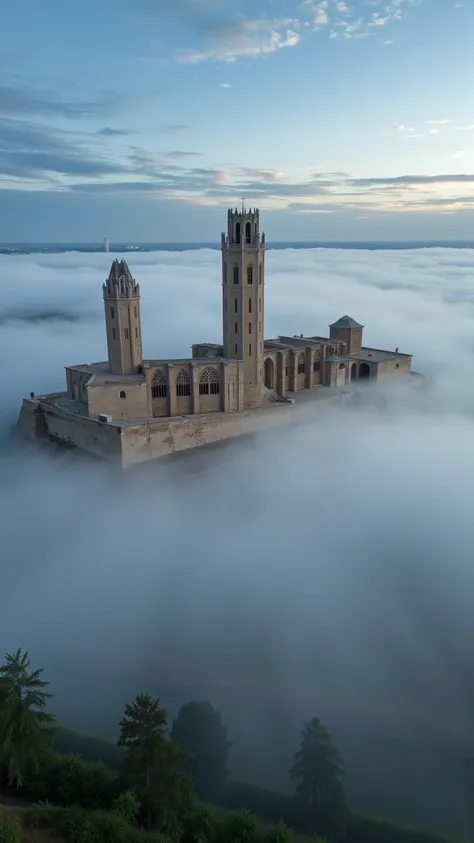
(144, 119)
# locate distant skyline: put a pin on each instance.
(142, 120)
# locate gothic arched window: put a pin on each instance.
(159, 388)
(209, 382)
(250, 275)
(248, 233)
(316, 361)
(236, 274)
(301, 363)
(237, 233)
(183, 384)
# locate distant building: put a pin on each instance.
(106, 244)
(217, 387)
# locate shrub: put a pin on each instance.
(201, 825)
(242, 827)
(78, 782)
(127, 806)
(280, 834)
(10, 829)
(43, 815)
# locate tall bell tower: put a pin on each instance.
(243, 300)
(122, 320)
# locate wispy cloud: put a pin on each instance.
(254, 37)
(19, 101)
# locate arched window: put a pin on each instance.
(237, 233)
(122, 394)
(341, 366)
(209, 382)
(236, 274)
(260, 273)
(316, 361)
(159, 388)
(250, 275)
(301, 363)
(183, 385)
(248, 233)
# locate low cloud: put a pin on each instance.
(389, 594)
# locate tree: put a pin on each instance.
(24, 733)
(201, 735)
(151, 763)
(318, 771)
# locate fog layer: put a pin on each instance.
(326, 568)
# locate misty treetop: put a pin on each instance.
(201, 734)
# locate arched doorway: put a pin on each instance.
(269, 373)
(364, 372)
(341, 375)
(354, 372)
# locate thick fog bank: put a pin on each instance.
(321, 569)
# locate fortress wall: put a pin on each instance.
(388, 368)
(162, 438)
(100, 439)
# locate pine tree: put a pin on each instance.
(318, 771)
(24, 732)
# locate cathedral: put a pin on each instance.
(244, 372)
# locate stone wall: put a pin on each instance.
(161, 438)
(394, 368)
(121, 401)
(103, 440)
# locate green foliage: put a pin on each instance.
(68, 780)
(151, 766)
(201, 735)
(318, 772)
(280, 834)
(24, 733)
(78, 782)
(201, 824)
(80, 826)
(10, 829)
(242, 827)
(127, 806)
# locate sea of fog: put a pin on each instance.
(325, 569)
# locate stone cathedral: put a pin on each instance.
(133, 410)
(244, 372)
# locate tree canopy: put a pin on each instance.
(24, 732)
(152, 762)
(318, 772)
(200, 733)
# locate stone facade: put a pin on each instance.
(245, 373)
